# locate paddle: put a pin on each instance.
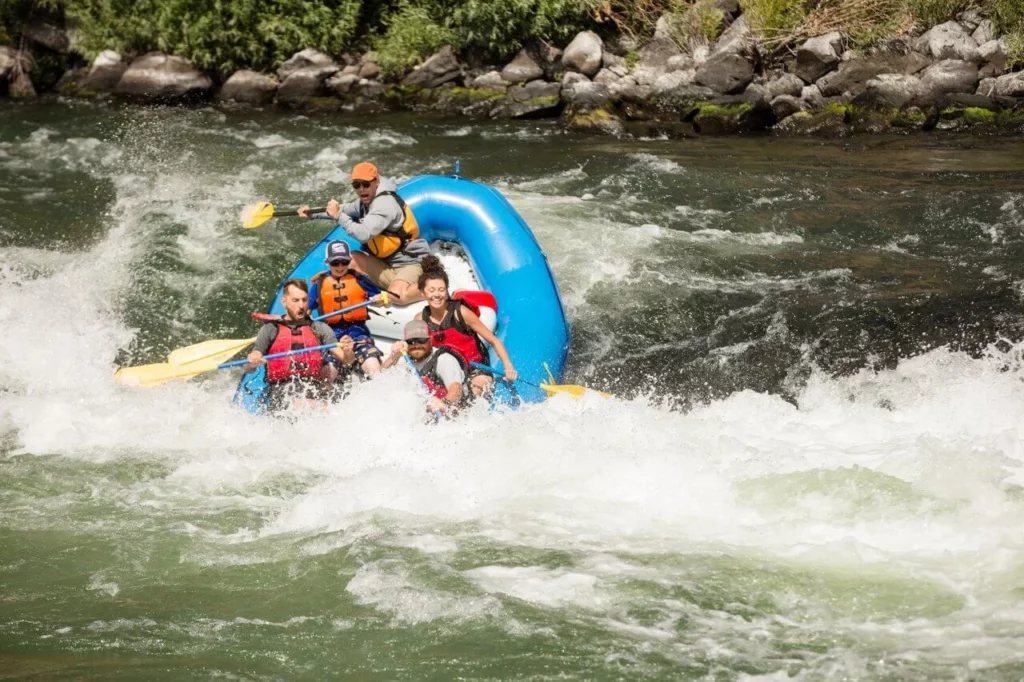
(222, 349)
(551, 389)
(419, 378)
(257, 214)
(161, 373)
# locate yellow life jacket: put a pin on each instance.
(392, 239)
(336, 294)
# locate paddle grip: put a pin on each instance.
(295, 211)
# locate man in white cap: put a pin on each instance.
(443, 371)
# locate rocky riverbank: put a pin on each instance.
(953, 76)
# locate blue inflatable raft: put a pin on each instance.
(475, 224)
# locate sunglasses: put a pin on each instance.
(336, 263)
(418, 341)
(362, 184)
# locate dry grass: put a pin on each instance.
(864, 21)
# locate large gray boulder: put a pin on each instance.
(737, 39)
(606, 76)
(306, 83)
(949, 41)
(49, 35)
(523, 69)
(609, 60)
(992, 56)
(656, 53)
(369, 89)
(680, 62)
(725, 73)
(160, 77)
(950, 76)
(730, 66)
(536, 98)
(573, 77)
(8, 58)
(248, 87)
(368, 70)
(985, 32)
(852, 76)
(672, 80)
(105, 72)
(305, 59)
(893, 89)
(678, 100)
(342, 83)
(812, 96)
(440, 68)
(583, 54)
(786, 84)
(1009, 85)
(784, 106)
(586, 95)
(818, 56)
(491, 79)
(628, 90)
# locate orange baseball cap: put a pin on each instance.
(365, 171)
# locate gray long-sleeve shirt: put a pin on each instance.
(384, 213)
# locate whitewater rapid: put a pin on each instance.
(881, 513)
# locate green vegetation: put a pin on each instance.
(908, 118)
(934, 12)
(220, 36)
(1008, 16)
(697, 24)
(411, 33)
(781, 23)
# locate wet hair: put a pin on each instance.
(432, 269)
(298, 283)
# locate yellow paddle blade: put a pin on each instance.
(161, 372)
(221, 349)
(257, 214)
(572, 389)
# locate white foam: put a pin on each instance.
(915, 470)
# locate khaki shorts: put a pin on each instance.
(383, 274)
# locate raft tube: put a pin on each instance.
(504, 256)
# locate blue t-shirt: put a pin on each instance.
(355, 330)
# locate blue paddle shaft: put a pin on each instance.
(349, 309)
(274, 356)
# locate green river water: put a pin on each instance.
(812, 470)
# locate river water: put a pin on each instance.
(812, 470)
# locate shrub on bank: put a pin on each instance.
(223, 36)
(217, 37)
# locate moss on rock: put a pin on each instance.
(912, 118)
(595, 121)
(722, 119)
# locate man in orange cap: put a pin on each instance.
(382, 222)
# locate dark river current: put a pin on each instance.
(813, 467)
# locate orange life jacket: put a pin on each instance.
(391, 240)
(336, 294)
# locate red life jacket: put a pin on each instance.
(293, 336)
(336, 294)
(453, 332)
(432, 379)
